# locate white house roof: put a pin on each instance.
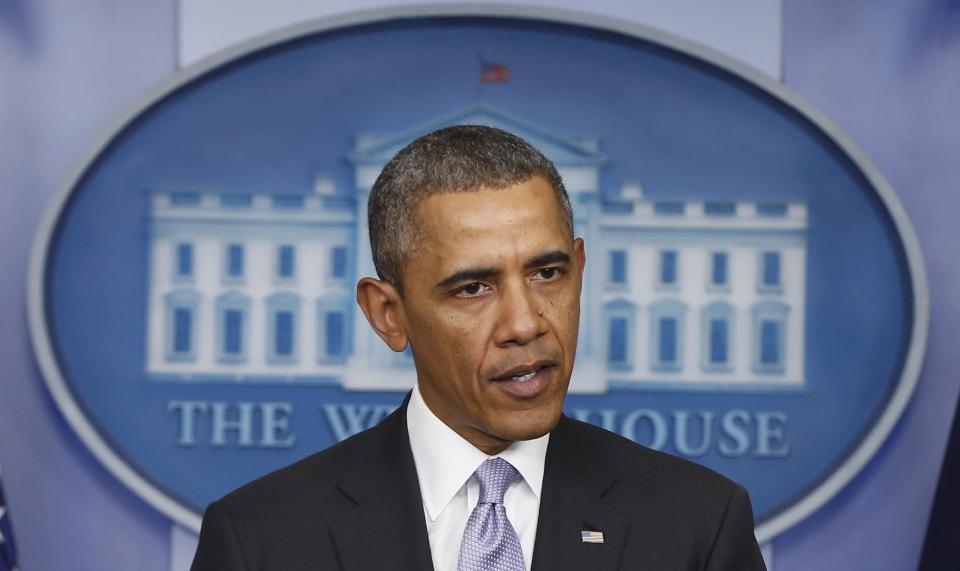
(563, 151)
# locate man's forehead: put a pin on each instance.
(489, 210)
(485, 225)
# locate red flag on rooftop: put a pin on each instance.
(494, 73)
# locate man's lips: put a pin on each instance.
(528, 380)
(524, 372)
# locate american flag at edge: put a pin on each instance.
(8, 552)
(591, 536)
(494, 72)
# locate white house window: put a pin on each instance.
(282, 319)
(617, 207)
(283, 334)
(618, 268)
(719, 262)
(668, 341)
(617, 341)
(234, 200)
(769, 272)
(181, 320)
(619, 319)
(772, 209)
(719, 208)
(333, 329)
(666, 335)
(769, 337)
(668, 268)
(233, 311)
(184, 198)
(288, 201)
(232, 344)
(669, 208)
(233, 262)
(182, 330)
(338, 262)
(183, 261)
(286, 264)
(717, 337)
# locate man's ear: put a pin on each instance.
(381, 304)
(579, 251)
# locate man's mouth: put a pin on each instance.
(526, 372)
(527, 380)
(526, 377)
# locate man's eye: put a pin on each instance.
(476, 288)
(548, 273)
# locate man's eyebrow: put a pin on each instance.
(547, 258)
(467, 275)
(483, 273)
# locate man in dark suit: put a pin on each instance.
(480, 273)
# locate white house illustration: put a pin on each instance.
(251, 287)
(679, 294)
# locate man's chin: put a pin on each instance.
(529, 428)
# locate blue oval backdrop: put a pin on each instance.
(749, 302)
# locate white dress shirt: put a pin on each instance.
(445, 466)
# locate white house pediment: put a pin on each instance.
(563, 151)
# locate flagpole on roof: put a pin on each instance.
(491, 72)
(482, 64)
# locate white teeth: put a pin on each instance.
(527, 377)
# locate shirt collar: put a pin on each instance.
(445, 460)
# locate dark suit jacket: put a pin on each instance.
(356, 506)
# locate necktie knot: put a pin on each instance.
(495, 476)
(489, 541)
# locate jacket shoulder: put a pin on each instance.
(685, 513)
(283, 520)
(651, 470)
(310, 477)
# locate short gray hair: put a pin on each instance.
(462, 158)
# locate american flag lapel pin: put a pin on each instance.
(591, 536)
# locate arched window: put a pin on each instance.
(619, 326)
(233, 323)
(283, 311)
(181, 325)
(667, 323)
(716, 338)
(333, 329)
(769, 337)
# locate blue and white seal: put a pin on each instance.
(755, 296)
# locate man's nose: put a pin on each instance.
(520, 320)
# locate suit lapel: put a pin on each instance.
(575, 483)
(386, 529)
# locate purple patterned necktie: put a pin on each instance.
(489, 541)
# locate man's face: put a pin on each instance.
(491, 308)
